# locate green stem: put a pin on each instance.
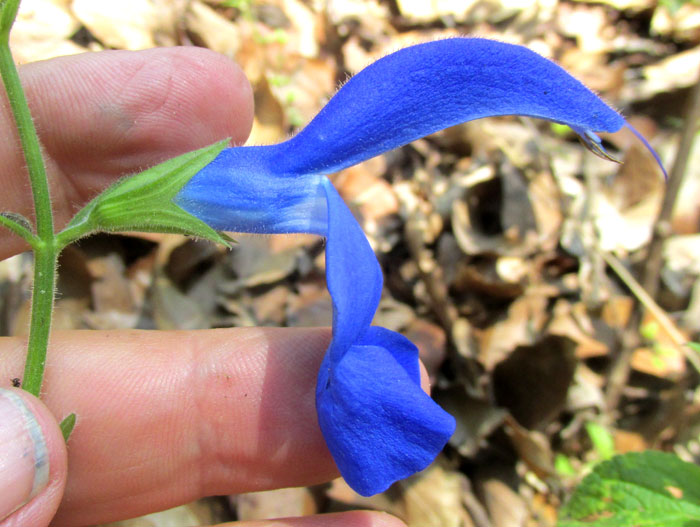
(42, 305)
(45, 248)
(30, 144)
(73, 233)
(8, 13)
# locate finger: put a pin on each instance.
(342, 519)
(424, 378)
(103, 115)
(167, 417)
(32, 461)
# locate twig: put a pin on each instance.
(620, 369)
(650, 305)
(663, 228)
(432, 277)
(591, 282)
(440, 302)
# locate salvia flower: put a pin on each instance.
(378, 423)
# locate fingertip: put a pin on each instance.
(33, 460)
(424, 377)
(217, 93)
(383, 519)
(136, 108)
(369, 519)
(339, 519)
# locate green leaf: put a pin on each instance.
(640, 489)
(19, 225)
(18, 219)
(602, 440)
(650, 330)
(563, 466)
(144, 202)
(695, 346)
(67, 426)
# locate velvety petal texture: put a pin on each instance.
(378, 423)
(353, 275)
(401, 97)
(246, 189)
(425, 88)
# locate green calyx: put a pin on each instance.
(144, 202)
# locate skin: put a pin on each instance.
(163, 417)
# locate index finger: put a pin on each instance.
(167, 417)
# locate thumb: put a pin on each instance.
(32, 461)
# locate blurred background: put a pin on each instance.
(514, 258)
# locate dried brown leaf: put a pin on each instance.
(433, 497)
(42, 31)
(131, 24)
(682, 23)
(280, 503)
(217, 32)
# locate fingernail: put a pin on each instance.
(24, 458)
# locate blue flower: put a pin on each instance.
(378, 423)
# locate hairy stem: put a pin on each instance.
(42, 306)
(30, 145)
(45, 250)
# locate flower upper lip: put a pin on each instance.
(378, 423)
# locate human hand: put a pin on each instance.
(163, 417)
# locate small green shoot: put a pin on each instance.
(67, 426)
(602, 440)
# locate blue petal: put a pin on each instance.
(379, 425)
(353, 275)
(245, 189)
(424, 88)
(402, 349)
(404, 96)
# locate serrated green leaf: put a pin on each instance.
(144, 202)
(640, 489)
(67, 426)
